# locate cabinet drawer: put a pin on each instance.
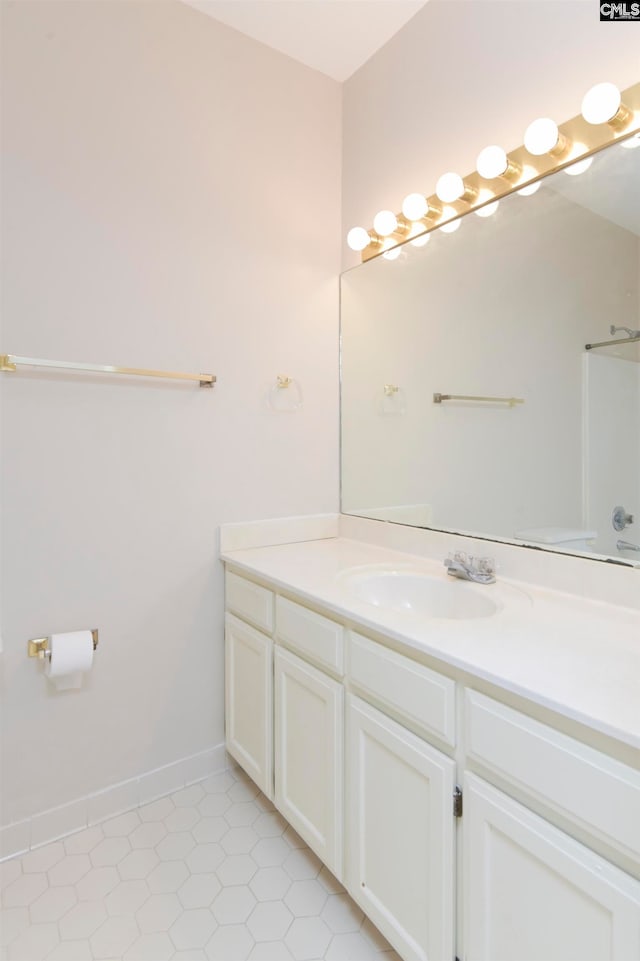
(250, 601)
(598, 793)
(414, 692)
(311, 634)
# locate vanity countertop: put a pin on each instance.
(577, 657)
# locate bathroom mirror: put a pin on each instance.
(469, 400)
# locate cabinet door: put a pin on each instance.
(308, 754)
(249, 701)
(531, 892)
(400, 834)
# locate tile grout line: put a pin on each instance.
(246, 819)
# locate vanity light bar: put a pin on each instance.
(607, 117)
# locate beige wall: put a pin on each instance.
(170, 200)
(171, 193)
(463, 74)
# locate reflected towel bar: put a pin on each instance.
(511, 401)
(627, 546)
(610, 343)
(9, 362)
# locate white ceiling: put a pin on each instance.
(332, 36)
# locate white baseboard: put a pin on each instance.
(83, 812)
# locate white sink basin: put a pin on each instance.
(422, 595)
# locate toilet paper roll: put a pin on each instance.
(71, 657)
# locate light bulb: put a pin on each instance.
(542, 136)
(358, 238)
(579, 168)
(385, 222)
(451, 226)
(415, 206)
(488, 209)
(421, 241)
(529, 189)
(601, 103)
(450, 187)
(492, 162)
(631, 142)
(393, 253)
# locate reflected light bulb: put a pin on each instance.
(385, 222)
(451, 226)
(414, 206)
(393, 253)
(529, 189)
(541, 136)
(450, 187)
(631, 142)
(488, 209)
(492, 162)
(579, 168)
(421, 241)
(358, 238)
(601, 103)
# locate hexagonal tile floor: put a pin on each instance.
(212, 872)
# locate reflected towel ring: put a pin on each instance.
(285, 396)
(392, 400)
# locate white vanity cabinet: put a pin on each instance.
(400, 852)
(361, 745)
(309, 727)
(284, 716)
(308, 739)
(400, 833)
(249, 700)
(531, 892)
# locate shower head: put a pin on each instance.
(627, 330)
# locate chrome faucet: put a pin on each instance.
(627, 546)
(481, 570)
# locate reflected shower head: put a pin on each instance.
(627, 330)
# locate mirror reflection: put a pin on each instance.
(491, 377)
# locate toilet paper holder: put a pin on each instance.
(39, 646)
